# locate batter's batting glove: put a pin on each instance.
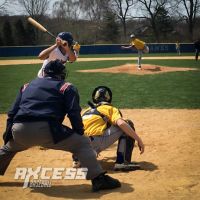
(76, 47)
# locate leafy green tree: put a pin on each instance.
(110, 28)
(163, 22)
(189, 11)
(20, 33)
(150, 9)
(30, 35)
(122, 9)
(1, 41)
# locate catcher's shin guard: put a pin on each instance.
(125, 146)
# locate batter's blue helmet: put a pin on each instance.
(67, 36)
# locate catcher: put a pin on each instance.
(104, 125)
(140, 46)
(65, 49)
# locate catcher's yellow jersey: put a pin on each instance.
(139, 44)
(94, 124)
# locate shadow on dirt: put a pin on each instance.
(108, 164)
(156, 69)
(77, 191)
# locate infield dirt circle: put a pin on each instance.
(170, 166)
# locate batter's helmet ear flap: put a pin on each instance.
(102, 94)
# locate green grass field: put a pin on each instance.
(165, 90)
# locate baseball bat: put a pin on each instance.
(39, 26)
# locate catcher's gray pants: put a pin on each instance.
(109, 137)
(30, 134)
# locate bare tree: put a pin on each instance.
(35, 8)
(188, 10)
(66, 9)
(3, 6)
(150, 10)
(122, 9)
(94, 9)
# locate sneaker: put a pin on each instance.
(139, 67)
(104, 182)
(76, 164)
(126, 166)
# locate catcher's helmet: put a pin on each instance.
(55, 68)
(102, 94)
(67, 36)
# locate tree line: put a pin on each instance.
(102, 21)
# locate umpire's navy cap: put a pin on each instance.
(54, 67)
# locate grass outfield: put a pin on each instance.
(165, 90)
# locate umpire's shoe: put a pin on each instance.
(104, 182)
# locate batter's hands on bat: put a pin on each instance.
(61, 42)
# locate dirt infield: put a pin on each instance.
(170, 165)
(132, 69)
(37, 61)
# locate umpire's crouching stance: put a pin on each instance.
(36, 119)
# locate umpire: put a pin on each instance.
(197, 48)
(36, 119)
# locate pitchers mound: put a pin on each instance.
(132, 69)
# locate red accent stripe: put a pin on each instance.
(64, 87)
(25, 86)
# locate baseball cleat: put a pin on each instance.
(104, 182)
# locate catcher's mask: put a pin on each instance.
(102, 94)
(67, 36)
(55, 69)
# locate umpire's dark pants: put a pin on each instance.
(30, 134)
